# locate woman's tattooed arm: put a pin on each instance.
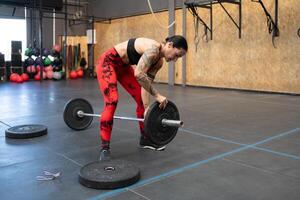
(148, 58)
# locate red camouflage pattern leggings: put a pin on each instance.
(110, 69)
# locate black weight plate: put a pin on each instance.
(109, 174)
(158, 133)
(70, 114)
(26, 131)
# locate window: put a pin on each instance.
(12, 30)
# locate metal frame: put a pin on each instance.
(171, 65)
(192, 7)
(239, 26)
(209, 5)
(40, 34)
(272, 23)
(183, 63)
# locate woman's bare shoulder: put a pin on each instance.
(146, 43)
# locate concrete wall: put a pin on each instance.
(250, 63)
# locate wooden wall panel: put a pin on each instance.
(250, 63)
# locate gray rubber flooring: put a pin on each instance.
(234, 145)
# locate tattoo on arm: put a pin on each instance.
(147, 60)
(151, 76)
(150, 55)
(145, 82)
(151, 73)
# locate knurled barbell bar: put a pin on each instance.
(160, 124)
(165, 122)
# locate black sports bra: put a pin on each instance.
(132, 54)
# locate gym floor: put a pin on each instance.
(234, 145)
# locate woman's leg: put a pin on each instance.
(130, 84)
(107, 80)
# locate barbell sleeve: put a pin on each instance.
(166, 122)
(170, 122)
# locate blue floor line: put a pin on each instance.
(187, 167)
(241, 144)
(211, 137)
(278, 153)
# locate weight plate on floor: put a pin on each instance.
(109, 174)
(26, 131)
(71, 117)
(157, 132)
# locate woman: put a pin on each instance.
(134, 63)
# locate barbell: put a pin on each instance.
(161, 125)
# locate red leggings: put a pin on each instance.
(110, 69)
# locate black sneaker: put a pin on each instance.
(104, 155)
(146, 143)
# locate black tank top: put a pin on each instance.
(132, 54)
